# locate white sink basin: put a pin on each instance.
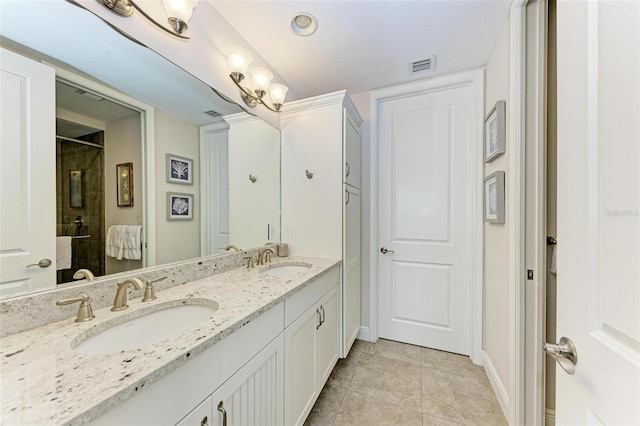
(145, 329)
(283, 270)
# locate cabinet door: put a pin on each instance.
(351, 269)
(351, 141)
(300, 369)
(200, 416)
(327, 336)
(254, 395)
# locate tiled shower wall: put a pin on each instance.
(86, 252)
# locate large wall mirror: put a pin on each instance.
(149, 165)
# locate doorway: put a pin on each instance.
(441, 260)
(94, 134)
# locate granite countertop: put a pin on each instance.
(44, 381)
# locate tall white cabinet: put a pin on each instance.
(320, 140)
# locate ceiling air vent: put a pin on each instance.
(212, 113)
(422, 65)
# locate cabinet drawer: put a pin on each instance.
(296, 304)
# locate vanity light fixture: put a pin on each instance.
(239, 60)
(179, 12)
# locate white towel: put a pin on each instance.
(63, 253)
(552, 268)
(124, 242)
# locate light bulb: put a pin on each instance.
(261, 79)
(239, 59)
(278, 93)
(180, 9)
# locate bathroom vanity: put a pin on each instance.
(262, 357)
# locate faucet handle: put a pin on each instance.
(85, 313)
(149, 291)
(249, 260)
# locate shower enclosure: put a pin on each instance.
(80, 196)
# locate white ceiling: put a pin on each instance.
(364, 45)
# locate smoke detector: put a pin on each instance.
(303, 24)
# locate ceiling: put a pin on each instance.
(364, 45)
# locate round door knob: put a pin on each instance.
(385, 250)
(44, 263)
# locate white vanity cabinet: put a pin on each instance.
(311, 345)
(229, 371)
(254, 395)
(320, 160)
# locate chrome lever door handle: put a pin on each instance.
(44, 263)
(385, 250)
(564, 353)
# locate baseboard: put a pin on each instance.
(496, 384)
(364, 334)
(550, 417)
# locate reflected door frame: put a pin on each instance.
(214, 235)
(475, 79)
(147, 132)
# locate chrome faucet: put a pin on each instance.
(120, 302)
(232, 247)
(264, 256)
(84, 273)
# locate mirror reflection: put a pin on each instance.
(152, 166)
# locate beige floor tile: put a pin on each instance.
(326, 407)
(468, 400)
(388, 380)
(428, 420)
(394, 350)
(361, 410)
(451, 363)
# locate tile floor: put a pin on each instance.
(391, 383)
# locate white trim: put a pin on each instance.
(516, 181)
(475, 79)
(535, 215)
(496, 384)
(206, 218)
(365, 334)
(335, 98)
(147, 131)
(550, 417)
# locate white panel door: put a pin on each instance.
(27, 164)
(424, 219)
(598, 273)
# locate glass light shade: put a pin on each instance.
(180, 9)
(239, 59)
(278, 93)
(261, 78)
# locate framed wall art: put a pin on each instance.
(495, 132)
(494, 198)
(179, 206)
(124, 190)
(179, 170)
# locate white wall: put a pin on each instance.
(122, 145)
(496, 236)
(176, 240)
